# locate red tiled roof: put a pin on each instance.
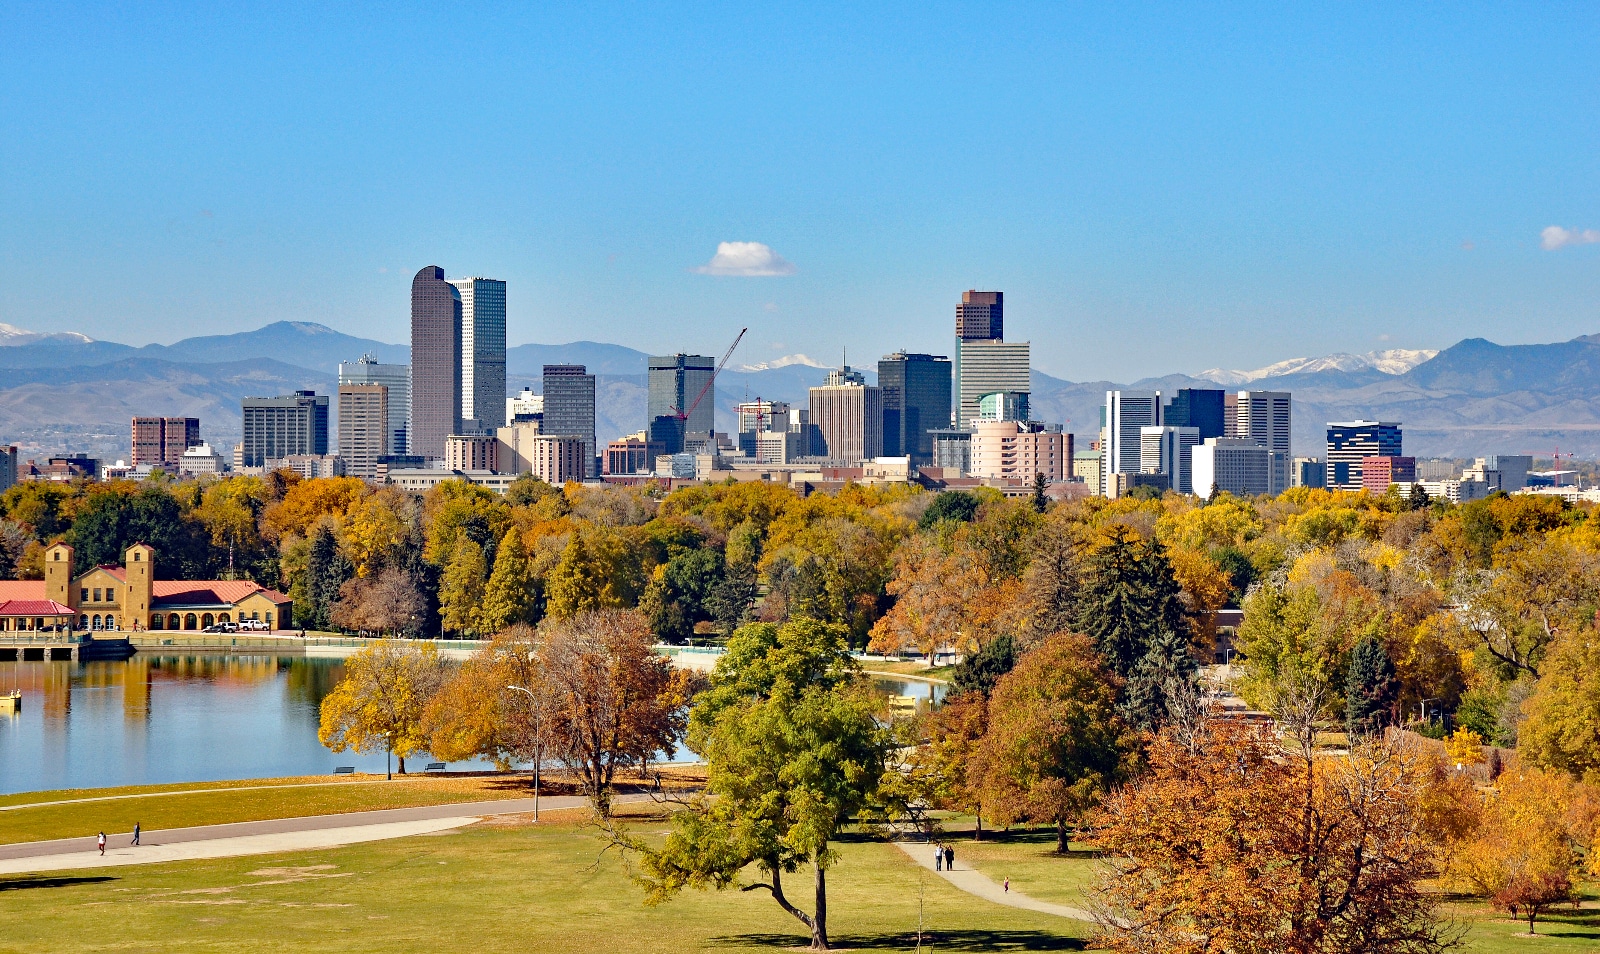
(119, 572)
(34, 608)
(203, 591)
(21, 590)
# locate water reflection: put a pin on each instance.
(162, 719)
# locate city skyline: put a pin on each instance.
(1235, 188)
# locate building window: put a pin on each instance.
(96, 621)
(190, 622)
(83, 622)
(83, 595)
(207, 620)
(97, 594)
(156, 622)
(223, 618)
(172, 621)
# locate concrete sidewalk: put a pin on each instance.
(271, 835)
(977, 883)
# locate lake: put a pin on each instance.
(159, 719)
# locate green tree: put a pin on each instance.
(461, 589)
(326, 571)
(792, 751)
(511, 595)
(1371, 689)
(1040, 501)
(979, 671)
(676, 599)
(956, 505)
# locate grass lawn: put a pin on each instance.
(218, 802)
(1028, 857)
(1566, 930)
(501, 886)
(941, 673)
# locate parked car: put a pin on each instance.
(252, 626)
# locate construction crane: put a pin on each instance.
(682, 415)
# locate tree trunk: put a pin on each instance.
(819, 921)
(402, 760)
(977, 833)
(1061, 836)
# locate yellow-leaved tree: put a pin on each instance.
(381, 700)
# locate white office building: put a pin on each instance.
(1234, 465)
(1126, 415)
(395, 377)
(986, 367)
(1458, 491)
(1166, 450)
(483, 352)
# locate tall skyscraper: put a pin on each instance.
(161, 441)
(916, 402)
(294, 425)
(988, 366)
(1164, 449)
(675, 381)
(848, 417)
(435, 362)
(1350, 442)
(395, 377)
(569, 408)
(985, 362)
(364, 426)
(483, 352)
(1200, 408)
(1126, 414)
(1264, 418)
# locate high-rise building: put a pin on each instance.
(294, 425)
(1200, 408)
(916, 402)
(468, 452)
(1307, 472)
(364, 427)
(848, 420)
(1125, 415)
(987, 366)
(1377, 473)
(1231, 465)
(435, 363)
(395, 377)
(1351, 442)
(676, 380)
(8, 467)
(483, 352)
(569, 408)
(555, 459)
(757, 417)
(161, 441)
(1019, 450)
(1003, 406)
(1166, 450)
(981, 316)
(524, 406)
(1263, 417)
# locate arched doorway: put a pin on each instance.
(207, 619)
(190, 622)
(172, 620)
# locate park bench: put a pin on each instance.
(435, 767)
(344, 770)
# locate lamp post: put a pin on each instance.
(538, 743)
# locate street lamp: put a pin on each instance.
(388, 751)
(538, 743)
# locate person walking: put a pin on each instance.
(135, 842)
(1008, 886)
(949, 858)
(938, 857)
(101, 842)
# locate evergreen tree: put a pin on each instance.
(511, 594)
(957, 505)
(326, 571)
(980, 671)
(1371, 688)
(461, 590)
(1166, 665)
(1040, 501)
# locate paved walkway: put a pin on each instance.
(979, 884)
(269, 836)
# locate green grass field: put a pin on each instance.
(492, 888)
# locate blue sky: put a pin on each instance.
(1166, 188)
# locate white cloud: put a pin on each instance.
(1554, 237)
(745, 259)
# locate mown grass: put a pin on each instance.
(493, 888)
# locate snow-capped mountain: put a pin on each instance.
(12, 335)
(787, 361)
(1392, 361)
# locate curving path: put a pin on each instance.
(268, 836)
(979, 884)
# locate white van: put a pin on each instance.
(252, 626)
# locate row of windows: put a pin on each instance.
(107, 621)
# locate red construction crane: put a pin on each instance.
(684, 415)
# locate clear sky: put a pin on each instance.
(1157, 189)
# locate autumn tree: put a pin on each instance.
(326, 571)
(461, 588)
(1521, 857)
(476, 713)
(792, 751)
(1562, 729)
(613, 702)
(380, 702)
(511, 593)
(1055, 742)
(390, 602)
(1229, 843)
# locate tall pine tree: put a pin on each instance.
(1371, 688)
(326, 571)
(511, 594)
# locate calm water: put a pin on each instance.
(161, 719)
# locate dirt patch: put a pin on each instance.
(289, 872)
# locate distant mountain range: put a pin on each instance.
(65, 391)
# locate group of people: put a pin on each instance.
(132, 843)
(944, 857)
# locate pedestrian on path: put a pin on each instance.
(1008, 886)
(135, 842)
(949, 858)
(938, 857)
(101, 841)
